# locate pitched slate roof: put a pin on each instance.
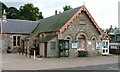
(18, 26)
(55, 22)
(61, 21)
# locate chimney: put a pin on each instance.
(55, 12)
(4, 15)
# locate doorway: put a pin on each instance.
(82, 42)
(45, 50)
(63, 48)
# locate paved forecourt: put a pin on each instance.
(19, 62)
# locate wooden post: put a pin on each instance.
(19, 50)
(22, 51)
(30, 52)
(26, 52)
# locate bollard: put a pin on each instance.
(34, 54)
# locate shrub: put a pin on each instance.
(8, 50)
(82, 53)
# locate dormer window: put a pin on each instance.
(43, 35)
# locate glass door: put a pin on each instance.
(63, 48)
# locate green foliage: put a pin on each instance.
(67, 7)
(13, 13)
(29, 12)
(2, 6)
(109, 30)
(8, 50)
(26, 12)
(82, 53)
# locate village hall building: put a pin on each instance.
(64, 34)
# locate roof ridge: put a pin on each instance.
(22, 20)
(61, 13)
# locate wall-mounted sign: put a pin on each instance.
(89, 42)
(74, 44)
(98, 45)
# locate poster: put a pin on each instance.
(98, 45)
(74, 44)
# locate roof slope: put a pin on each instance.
(61, 21)
(18, 26)
(55, 22)
(47, 38)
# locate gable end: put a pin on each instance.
(83, 8)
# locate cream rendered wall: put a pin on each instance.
(52, 52)
(41, 49)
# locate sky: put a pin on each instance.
(105, 12)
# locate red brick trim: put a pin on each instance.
(76, 15)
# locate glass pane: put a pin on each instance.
(106, 50)
(66, 45)
(18, 40)
(52, 45)
(103, 50)
(66, 52)
(18, 43)
(68, 38)
(106, 44)
(103, 44)
(93, 45)
(14, 40)
(14, 43)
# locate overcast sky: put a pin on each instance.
(105, 12)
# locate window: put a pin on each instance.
(68, 38)
(16, 40)
(43, 35)
(52, 45)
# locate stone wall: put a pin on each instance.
(7, 42)
(76, 28)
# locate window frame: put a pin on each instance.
(52, 45)
(16, 42)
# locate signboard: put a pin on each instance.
(98, 45)
(74, 44)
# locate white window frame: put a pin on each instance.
(16, 40)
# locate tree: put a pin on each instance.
(67, 7)
(109, 30)
(29, 12)
(2, 7)
(12, 13)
